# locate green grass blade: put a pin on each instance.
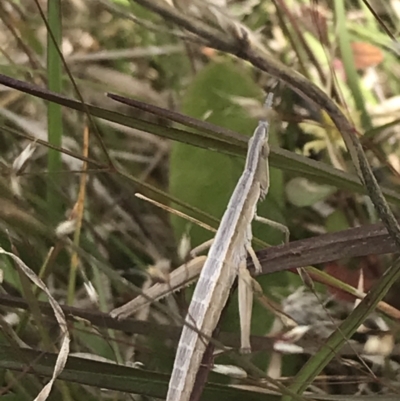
(353, 80)
(280, 158)
(54, 112)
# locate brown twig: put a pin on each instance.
(360, 241)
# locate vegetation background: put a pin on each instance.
(72, 164)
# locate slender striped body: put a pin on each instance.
(226, 254)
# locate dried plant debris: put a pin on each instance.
(18, 168)
(61, 320)
(371, 370)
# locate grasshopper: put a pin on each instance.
(226, 260)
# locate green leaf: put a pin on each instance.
(336, 221)
(96, 344)
(207, 179)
